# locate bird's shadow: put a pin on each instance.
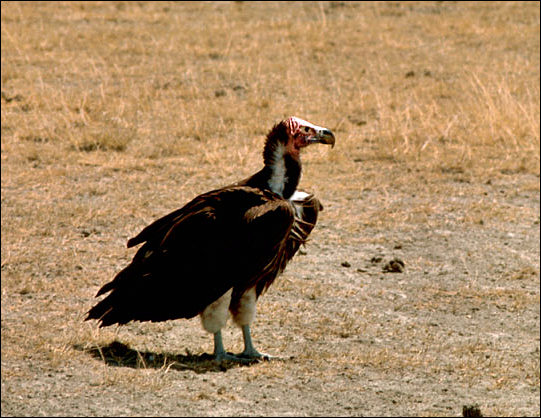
(120, 355)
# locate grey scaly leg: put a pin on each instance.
(221, 355)
(249, 349)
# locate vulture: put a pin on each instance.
(216, 255)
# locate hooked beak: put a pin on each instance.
(324, 136)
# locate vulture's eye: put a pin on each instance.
(306, 129)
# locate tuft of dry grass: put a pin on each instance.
(115, 113)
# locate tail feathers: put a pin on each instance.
(116, 310)
(120, 306)
(132, 242)
(121, 278)
(105, 288)
(103, 312)
(138, 303)
(111, 310)
(151, 289)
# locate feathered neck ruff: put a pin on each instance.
(282, 167)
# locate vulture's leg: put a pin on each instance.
(243, 315)
(221, 355)
(214, 318)
(249, 349)
(219, 352)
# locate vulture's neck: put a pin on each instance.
(282, 170)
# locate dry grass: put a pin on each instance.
(115, 113)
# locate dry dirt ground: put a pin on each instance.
(418, 293)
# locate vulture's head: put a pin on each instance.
(292, 134)
(301, 133)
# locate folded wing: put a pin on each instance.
(231, 237)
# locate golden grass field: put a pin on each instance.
(116, 113)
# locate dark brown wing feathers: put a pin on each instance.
(231, 237)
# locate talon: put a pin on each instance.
(256, 355)
(224, 357)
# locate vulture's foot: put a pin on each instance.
(256, 355)
(220, 355)
(225, 357)
(249, 350)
